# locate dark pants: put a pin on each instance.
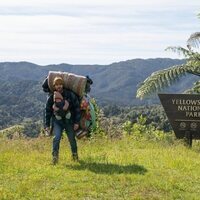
(58, 127)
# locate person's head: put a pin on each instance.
(58, 84)
(57, 97)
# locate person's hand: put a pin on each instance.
(76, 126)
(47, 131)
(55, 108)
(66, 106)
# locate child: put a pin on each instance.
(60, 106)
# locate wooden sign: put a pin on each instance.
(183, 112)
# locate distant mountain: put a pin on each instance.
(115, 83)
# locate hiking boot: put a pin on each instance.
(55, 159)
(75, 157)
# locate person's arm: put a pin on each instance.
(76, 108)
(48, 111)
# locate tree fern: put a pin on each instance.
(164, 78)
(161, 79)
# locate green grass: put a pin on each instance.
(108, 169)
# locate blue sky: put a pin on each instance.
(94, 31)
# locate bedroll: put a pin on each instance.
(74, 82)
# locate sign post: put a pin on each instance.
(183, 112)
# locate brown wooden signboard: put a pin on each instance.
(183, 112)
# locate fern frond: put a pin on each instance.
(161, 79)
(179, 50)
(195, 89)
(194, 64)
(194, 40)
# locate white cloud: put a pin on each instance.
(93, 31)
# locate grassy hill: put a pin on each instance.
(108, 169)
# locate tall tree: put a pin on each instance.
(164, 78)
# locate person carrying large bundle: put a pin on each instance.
(66, 91)
(80, 85)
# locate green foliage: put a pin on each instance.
(154, 115)
(141, 131)
(108, 126)
(97, 112)
(139, 122)
(97, 130)
(110, 120)
(13, 132)
(31, 128)
(127, 127)
(27, 128)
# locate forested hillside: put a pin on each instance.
(115, 83)
(22, 98)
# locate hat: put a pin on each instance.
(58, 81)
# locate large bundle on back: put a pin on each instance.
(74, 82)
